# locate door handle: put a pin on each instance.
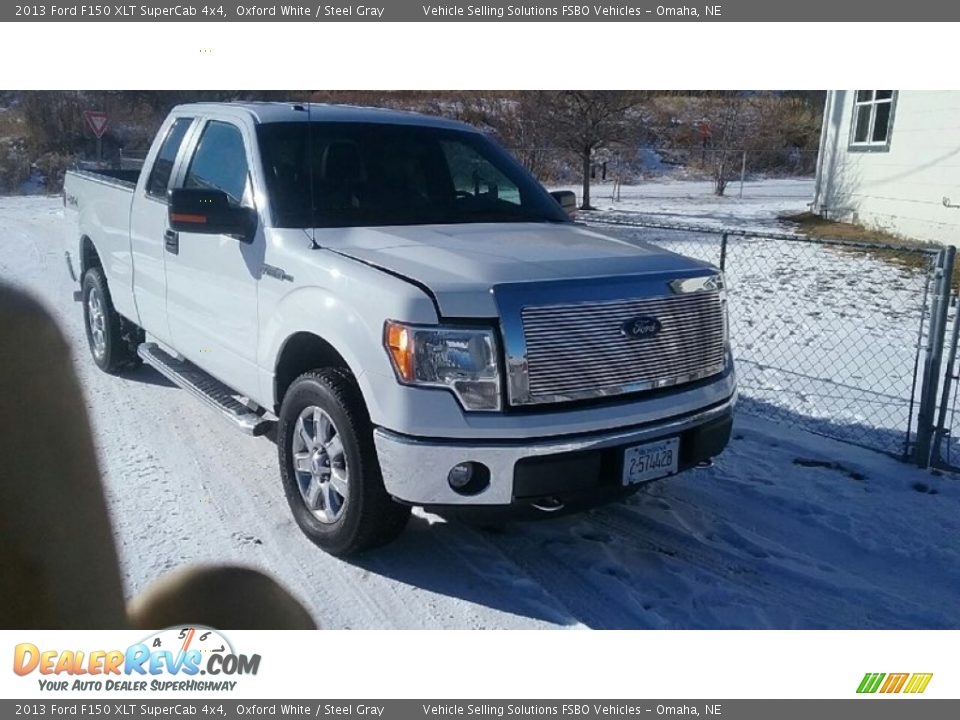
(171, 241)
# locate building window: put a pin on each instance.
(872, 119)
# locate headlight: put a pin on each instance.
(725, 305)
(722, 289)
(464, 360)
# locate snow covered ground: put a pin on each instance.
(787, 530)
(693, 202)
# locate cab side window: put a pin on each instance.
(159, 179)
(219, 162)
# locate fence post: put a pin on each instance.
(940, 431)
(743, 173)
(723, 253)
(934, 356)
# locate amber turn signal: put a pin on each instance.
(399, 344)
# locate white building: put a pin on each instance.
(891, 160)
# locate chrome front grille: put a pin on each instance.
(582, 350)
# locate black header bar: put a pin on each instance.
(492, 11)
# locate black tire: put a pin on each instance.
(369, 516)
(119, 337)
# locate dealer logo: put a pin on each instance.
(168, 660)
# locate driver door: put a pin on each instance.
(212, 279)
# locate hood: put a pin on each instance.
(463, 265)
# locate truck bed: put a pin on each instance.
(121, 178)
(97, 204)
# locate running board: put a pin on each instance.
(206, 388)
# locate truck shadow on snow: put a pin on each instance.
(786, 531)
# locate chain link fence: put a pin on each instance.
(946, 440)
(831, 336)
(613, 168)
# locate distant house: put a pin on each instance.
(891, 160)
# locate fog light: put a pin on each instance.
(468, 478)
(460, 475)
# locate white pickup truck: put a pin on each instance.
(419, 319)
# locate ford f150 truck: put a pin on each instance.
(419, 319)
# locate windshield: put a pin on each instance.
(369, 174)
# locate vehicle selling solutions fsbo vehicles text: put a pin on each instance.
(569, 11)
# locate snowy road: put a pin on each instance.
(786, 530)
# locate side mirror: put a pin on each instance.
(567, 199)
(209, 212)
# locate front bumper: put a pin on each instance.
(568, 468)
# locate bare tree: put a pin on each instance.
(530, 134)
(584, 121)
(729, 132)
(766, 130)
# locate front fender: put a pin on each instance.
(348, 318)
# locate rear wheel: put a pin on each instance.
(112, 339)
(329, 467)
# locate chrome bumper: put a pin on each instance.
(415, 469)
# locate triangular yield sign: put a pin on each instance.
(97, 122)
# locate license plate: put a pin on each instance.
(643, 463)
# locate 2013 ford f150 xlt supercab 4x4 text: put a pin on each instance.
(421, 320)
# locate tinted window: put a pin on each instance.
(369, 174)
(473, 175)
(219, 162)
(163, 166)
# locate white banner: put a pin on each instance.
(470, 664)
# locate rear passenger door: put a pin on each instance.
(212, 279)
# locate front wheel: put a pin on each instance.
(329, 466)
(111, 339)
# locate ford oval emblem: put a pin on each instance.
(641, 328)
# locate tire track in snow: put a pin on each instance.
(745, 569)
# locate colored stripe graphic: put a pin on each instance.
(870, 682)
(918, 682)
(894, 683)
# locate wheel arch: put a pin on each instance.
(301, 352)
(89, 257)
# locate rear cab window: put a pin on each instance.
(159, 180)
